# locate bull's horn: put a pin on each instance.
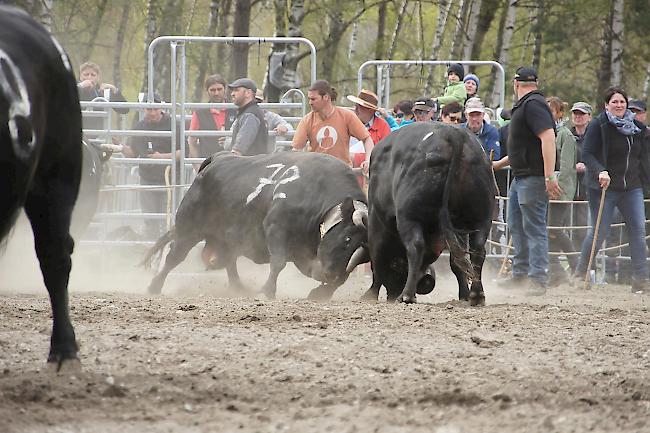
(359, 218)
(358, 257)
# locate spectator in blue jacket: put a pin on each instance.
(487, 134)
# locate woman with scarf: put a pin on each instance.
(617, 160)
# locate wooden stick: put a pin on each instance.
(593, 244)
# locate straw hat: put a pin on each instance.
(366, 99)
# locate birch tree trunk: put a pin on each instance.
(537, 31)
(241, 27)
(617, 42)
(169, 25)
(188, 28)
(443, 14)
(119, 43)
(336, 30)
(470, 32)
(504, 49)
(486, 16)
(398, 27)
(381, 30)
(213, 20)
(46, 14)
(94, 30)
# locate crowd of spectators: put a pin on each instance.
(549, 155)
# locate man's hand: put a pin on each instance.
(86, 84)
(553, 187)
(105, 86)
(580, 167)
(365, 167)
(281, 129)
(604, 179)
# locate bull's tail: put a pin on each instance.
(455, 240)
(156, 250)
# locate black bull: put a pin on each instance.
(40, 156)
(431, 187)
(295, 207)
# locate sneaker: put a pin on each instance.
(557, 276)
(536, 288)
(514, 282)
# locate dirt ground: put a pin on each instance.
(200, 359)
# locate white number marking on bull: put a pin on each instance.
(265, 181)
(19, 104)
(295, 174)
(64, 56)
(427, 136)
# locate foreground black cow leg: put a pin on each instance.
(477, 255)
(177, 253)
(461, 277)
(270, 286)
(234, 281)
(49, 213)
(414, 241)
(323, 292)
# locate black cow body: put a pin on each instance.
(93, 159)
(431, 186)
(295, 207)
(40, 156)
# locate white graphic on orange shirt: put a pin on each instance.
(326, 137)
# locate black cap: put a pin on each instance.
(457, 69)
(506, 114)
(156, 98)
(526, 73)
(425, 104)
(636, 104)
(244, 82)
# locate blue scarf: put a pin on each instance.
(624, 125)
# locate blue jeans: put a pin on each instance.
(527, 223)
(630, 203)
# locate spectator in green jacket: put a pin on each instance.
(455, 90)
(559, 241)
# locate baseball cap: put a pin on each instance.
(526, 73)
(259, 95)
(247, 83)
(423, 104)
(474, 105)
(583, 107)
(637, 104)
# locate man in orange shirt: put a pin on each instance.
(328, 128)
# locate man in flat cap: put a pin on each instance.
(531, 156)
(249, 131)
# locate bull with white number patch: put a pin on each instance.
(304, 208)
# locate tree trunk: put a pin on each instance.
(148, 37)
(94, 30)
(646, 84)
(605, 70)
(486, 16)
(224, 53)
(470, 33)
(443, 14)
(381, 30)
(459, 32)
(296, 16)
(617, 42)
(538, 28)
(241, 27)
(397, 29)
(169, 25)
(272, 92)
(504, 49)
(119, 43)
(336, 30)
(46, 14)
(205, 51)
(188, 29)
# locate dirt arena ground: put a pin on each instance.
(200, 359)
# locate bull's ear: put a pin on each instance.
(347, 208)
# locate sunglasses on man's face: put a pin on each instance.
(420, 112)
(455, 119)
(398, 115)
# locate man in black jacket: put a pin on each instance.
(249, 133)
(211, 119)
(531, 155)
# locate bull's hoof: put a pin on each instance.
(320, 293)
(61, 360)
(65, 366)
(155, 287)
(426, 284)
(370, 295)
(268, 292)
(476, 300)
(407, 299)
